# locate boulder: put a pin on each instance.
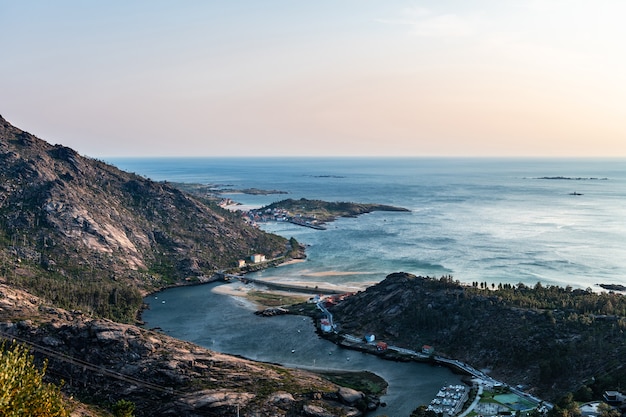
(350, 396)
(316, 411)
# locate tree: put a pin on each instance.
(22, 389)
(423, 411)
(583, 394)
(565, 407)
(124, 408)
(608, 411)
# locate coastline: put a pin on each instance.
(241, 291)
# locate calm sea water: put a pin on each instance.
(493, 220)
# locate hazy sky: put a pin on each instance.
(295, 77)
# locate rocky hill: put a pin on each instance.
(87, 235)
(550, 340)
(102, 362)
(82, 241)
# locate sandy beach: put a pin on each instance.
(240, 290)
(291, 262)
(334, 273)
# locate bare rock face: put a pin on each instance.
(350, 396)
(86, 221)
(217, 399)
(316, 411)
(281, 398)
(108, 361)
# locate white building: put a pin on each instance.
(257, 257)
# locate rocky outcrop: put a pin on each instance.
(106, 361)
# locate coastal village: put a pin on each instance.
(254, 217)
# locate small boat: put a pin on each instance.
(575, 193)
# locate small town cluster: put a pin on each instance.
(254, 217)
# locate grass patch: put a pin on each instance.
(366, 382)
(274, 300)
(489, 400)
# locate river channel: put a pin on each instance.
(227, 324)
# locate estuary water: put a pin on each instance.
(229, 325)
(558, 222)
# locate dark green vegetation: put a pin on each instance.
(123, 408)
(22, 387)
(325, 211)
(87, 236)
(549, 339)
(366, 382)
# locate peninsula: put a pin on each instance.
(314, 213)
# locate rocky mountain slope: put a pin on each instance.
(102, 362)
(82, 241)
(549, 339)
(87, 235)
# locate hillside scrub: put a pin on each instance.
(22, 387)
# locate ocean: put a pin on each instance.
(555, 221)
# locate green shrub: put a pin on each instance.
(22, 389)
(124, 408)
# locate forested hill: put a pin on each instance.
(87, 235)
(551, 340)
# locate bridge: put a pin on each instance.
(329, 315)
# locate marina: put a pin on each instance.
(449, 400)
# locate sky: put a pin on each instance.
(510, 78)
